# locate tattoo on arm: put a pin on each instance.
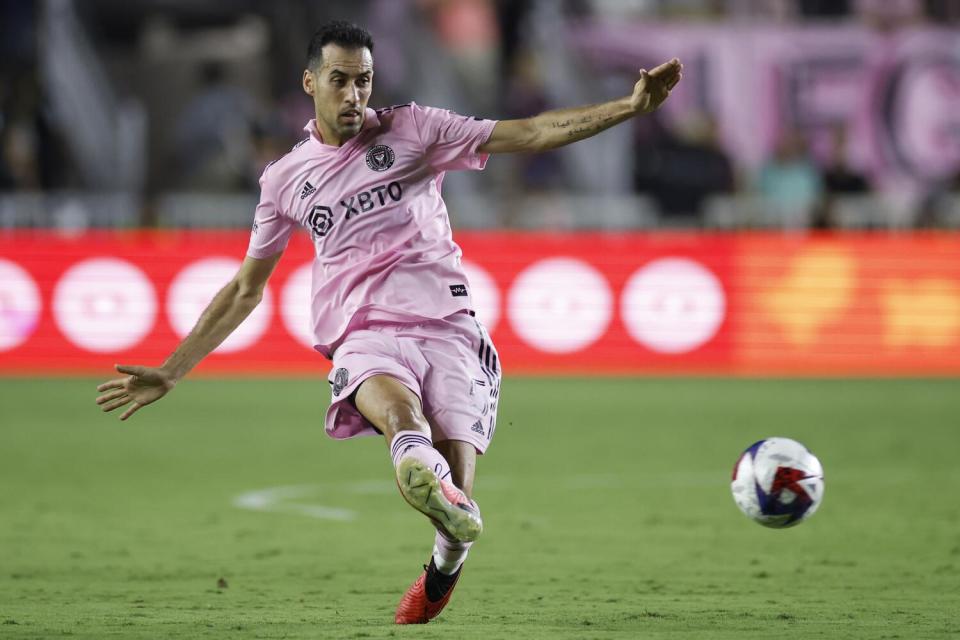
(563, 124)
(589, 131)
(553, 129)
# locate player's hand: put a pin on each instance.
(654, 86)
(140, 387)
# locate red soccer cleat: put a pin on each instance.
(451, 510)
(427, 596)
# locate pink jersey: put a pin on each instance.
(381, 234)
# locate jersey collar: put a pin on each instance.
(370, 121)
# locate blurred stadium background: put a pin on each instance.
(793, 211)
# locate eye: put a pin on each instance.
(362, 82)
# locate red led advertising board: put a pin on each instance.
(570, 303)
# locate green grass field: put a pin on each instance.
(606, 503)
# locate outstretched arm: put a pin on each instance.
(230, 307)
(553, 129)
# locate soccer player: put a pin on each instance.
(391, 305)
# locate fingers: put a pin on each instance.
(668, 77)
(131, 369)
(673, 66)
(116, 404)
(118, 390)
(132, 410)
(661, 86)
(661, 79)
(113, 395)
(118, 383)
(643, 82)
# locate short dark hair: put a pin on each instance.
(339, 32)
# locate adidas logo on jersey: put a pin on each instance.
(307, 190)
(477, 427)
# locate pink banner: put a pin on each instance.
(896, 93)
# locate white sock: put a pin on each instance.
(420, 447)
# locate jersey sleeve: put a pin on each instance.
(271, 229)
(450, 140)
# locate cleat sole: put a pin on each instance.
(420, 487)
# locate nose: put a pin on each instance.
(354, 94)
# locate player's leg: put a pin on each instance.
(395, 411)
(461, 393)
(449, 555)
(422, 471)
(431, 592)
(462, 457)
(376, 386)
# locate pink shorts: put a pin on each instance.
(450, 364)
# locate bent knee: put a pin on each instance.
(390, 406)
(404, 415)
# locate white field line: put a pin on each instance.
(286, 500)
(305, 499)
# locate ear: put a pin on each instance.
(308, 82)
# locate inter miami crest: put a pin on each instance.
(340, 379)
(380, 157)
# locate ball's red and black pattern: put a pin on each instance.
(777, 482)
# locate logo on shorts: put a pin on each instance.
(380, 157)
(477, 427)
(340, 379)
(458, 290)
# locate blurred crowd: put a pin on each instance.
(686, 166)
(218, 84)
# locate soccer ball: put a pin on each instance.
(777, 482)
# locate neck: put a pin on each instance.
(332, 136)
(328, 135)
